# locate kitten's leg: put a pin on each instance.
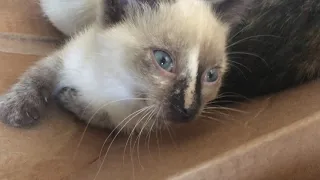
(24, 103)
(70, 99)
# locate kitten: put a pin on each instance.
(165, 61)
(149, 65)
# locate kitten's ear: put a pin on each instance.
(113, 11)
(231, 11)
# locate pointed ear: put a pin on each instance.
(113, 11)
(231, 11)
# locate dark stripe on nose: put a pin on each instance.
(178, 113)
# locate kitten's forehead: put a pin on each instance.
(180, 27)
(181, 22)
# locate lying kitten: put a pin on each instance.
(161, 63)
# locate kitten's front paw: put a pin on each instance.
(22, 109)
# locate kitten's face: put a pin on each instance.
(177, 52)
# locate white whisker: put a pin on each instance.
(158, 144)
(215, 119)
(216, 112)
(230, 94)
(103, 160)
(251, 37)
(149, 135)
(84, 131)
(139, 135)
(224, 108)
(106, 104)
(238, 63)
(251, 54)
(173, 141)
(130, 138)
(136, 125)
(134, 114)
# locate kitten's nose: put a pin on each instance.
(183, 105)
(182, 115)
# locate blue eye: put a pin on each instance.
(211, 75)
(164, 60)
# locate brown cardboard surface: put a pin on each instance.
(273, 137)
(24, 17)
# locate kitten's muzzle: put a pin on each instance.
(184, 107)
(181, 115)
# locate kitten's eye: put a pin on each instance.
(164, 60)
(211, 75)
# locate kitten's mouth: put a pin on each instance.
(174, 114)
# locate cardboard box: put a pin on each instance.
(275, 137)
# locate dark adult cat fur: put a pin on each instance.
(275, 46)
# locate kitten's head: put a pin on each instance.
(176, 50)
